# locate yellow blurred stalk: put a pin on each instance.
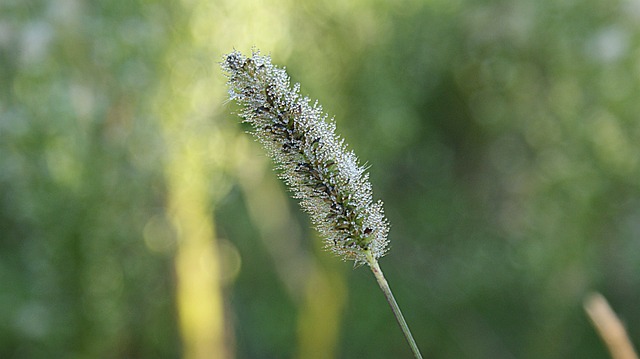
(320, 316)
(190, 209)
(199, 296)
(194, 157)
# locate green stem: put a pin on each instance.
(377, 272)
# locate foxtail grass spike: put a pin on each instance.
(312, 160)
(326, 177)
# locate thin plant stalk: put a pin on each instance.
(384, 286)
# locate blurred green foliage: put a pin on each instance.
(78, 183)
(502, 136)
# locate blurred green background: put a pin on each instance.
(137, 220)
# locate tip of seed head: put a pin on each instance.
(234, 60)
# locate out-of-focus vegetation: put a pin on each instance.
(138, 221)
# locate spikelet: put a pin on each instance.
(311, 159)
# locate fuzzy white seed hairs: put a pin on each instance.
(311, 159)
